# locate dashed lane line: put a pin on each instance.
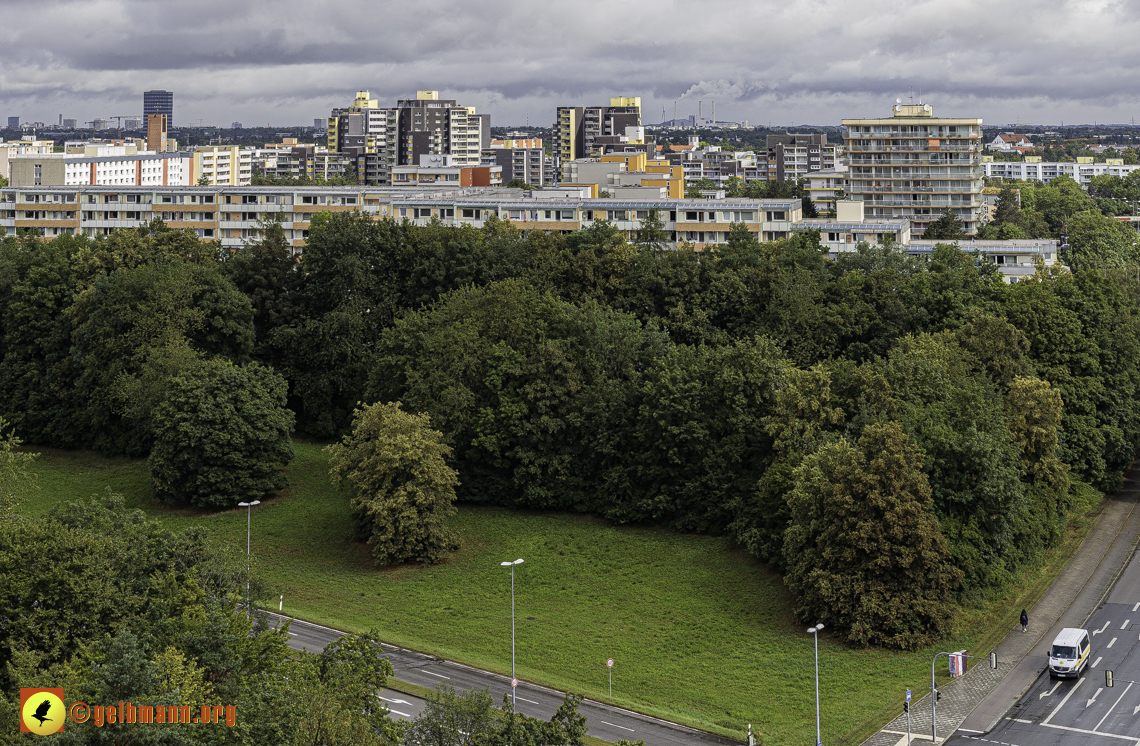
(1111, 643)
(617, 726)
(1114, 704)
(430, 673)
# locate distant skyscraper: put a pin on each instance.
(159, 102)
(236, 126)
(13, 122)
(319, 124)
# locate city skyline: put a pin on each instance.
(798, 62)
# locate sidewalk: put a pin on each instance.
(976, 702)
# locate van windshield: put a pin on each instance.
(1064, 651)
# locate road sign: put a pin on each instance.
(609, 662)
(908, 695)
(514, 683)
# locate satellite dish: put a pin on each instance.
(898, 100)
(898, 108)
(926, 107)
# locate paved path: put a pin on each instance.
(976, 703)
(603, 720)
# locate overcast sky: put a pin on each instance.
(789, 62)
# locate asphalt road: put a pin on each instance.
(604, 721)
(1084, 711)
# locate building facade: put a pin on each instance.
(796, 156)
(101, 166)
(1033, 169)
(576, 128)
(221, 165)
(158, 102)
(522, 160)
(916, 166)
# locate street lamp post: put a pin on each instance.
(814, 632)
(513, 677)
(248, 510)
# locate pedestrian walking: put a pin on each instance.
(1024, 621)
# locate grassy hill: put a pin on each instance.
(701, 633)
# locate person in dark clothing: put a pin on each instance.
(1024, 621)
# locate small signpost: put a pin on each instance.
(514, 683)
(610, 667)
(907, 708)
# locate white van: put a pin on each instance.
(1069, 654)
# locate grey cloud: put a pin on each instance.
(790, 61)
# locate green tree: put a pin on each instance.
(221, 435)
(651, 232)
(864, 552)
(394, 466)
(15, 477)
(947, 227)
(1097, 241)
(127, 314)
(454, 719)
(1008, 206)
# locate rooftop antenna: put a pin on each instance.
(910, 94)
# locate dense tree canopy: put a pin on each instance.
(595, 371)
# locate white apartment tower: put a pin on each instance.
(917, 166)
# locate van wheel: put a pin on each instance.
(1052, 675)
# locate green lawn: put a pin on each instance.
(700, 632)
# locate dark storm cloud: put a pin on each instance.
(790, 61)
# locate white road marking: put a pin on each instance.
(527, 700)
(968, 730)
(1098, 691)
(397, 712)
(1114, 704)
(1097, 662)
(1110, 642)
(1136, 709)
(396, 701)
(618, 726)
(1102, 629)
(1125, 625)
(1063, 701)
(1043, 695)
(1091, 732)
(430, 673)
(1019, 720)
(1137, 606)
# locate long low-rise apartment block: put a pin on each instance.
(1034, 169)
(236, 215)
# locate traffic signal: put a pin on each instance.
(906, 706)
(937, 694)
(1108, 678)
(993, 660)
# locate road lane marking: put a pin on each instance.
(617, 726)
(1114, 704)
(396, 701)
(1110, 643)
(397, 712)
(1136, 709)
(1102, 629)
(1097, 662)
(429, 673)
(1125, 625)
(527, 700)
(1092, 732)
(1043, 695)
(1019, 720)
(1137, 606)
(1098, 691)
(1063, 701)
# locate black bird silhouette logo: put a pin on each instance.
(42, 711)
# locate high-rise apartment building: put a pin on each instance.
(159, 102)
(917, 166)
(13, 122)
(577, 127)
(795, 156)
(393, 136)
